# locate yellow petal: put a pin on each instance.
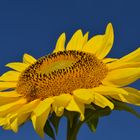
(112, 66)
(13, 106)
(6, 122)
(102, 101)
(107, 42)
(76, 106)
(28, 59)
(9, 94)
(130, 60)
(85, 96)
(89, 95)
(77, 41)
(22, 118)
(7, 106)
(60, 44)
(11, 125)
(12, 122)
(60, 102)
(100, 45)
(40, 115)
(131, 57)
(108, 60)
(14, 126)
(17, 66)
(7, 100)
(19, 116)
(10, 76)
(2, 121)
(18, 121)
(108, 90)
(121, 77)
(27, 108)
(133, 96)
(7, 85)
(7, 97)
(85, 38)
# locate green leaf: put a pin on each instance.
(55, 122)
(123, 106)
(93, 123)
(49, 130)
(90, 106)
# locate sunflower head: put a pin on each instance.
(76, 78)
(59, 73)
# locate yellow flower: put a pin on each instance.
(68, 78)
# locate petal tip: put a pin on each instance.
(109, 28)
(63, 35)
(79, 31)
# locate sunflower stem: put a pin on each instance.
(75, 131)
(73, 126)
(68, 130)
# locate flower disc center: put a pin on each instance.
(59, 73)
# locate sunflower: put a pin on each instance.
(69, 78)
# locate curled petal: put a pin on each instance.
(76, 106)
(77, 41)
(100, 45)
(28, 59)
(40, 115)
(60, 44)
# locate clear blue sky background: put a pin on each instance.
(33, 27)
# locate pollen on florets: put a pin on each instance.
(59, 73)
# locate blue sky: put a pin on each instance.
(33, 26)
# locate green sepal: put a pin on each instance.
(93, 123)
(124, 106)
(104, 111)
(92, 116)
(90, 106)
(97, 112)
(55, 122)
(49, 130)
